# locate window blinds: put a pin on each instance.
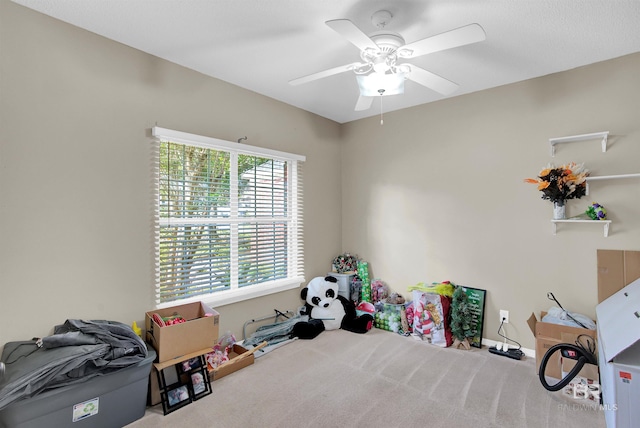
(228, 216)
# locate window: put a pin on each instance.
(228, 219)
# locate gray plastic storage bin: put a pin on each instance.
(108, 401)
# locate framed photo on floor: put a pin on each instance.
(200, 384)
(193, 372)
(184, 382)
(176, 398)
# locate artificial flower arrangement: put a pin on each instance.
(560, 183)
(596, 212)
(345, 263)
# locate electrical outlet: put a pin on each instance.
(504, 315)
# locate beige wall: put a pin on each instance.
(437, 192)
(434, 194)
(75, 172)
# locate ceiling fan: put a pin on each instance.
(379, 72)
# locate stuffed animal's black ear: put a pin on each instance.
(331, 279)
(303, 293)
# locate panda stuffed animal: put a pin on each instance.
(327, 310)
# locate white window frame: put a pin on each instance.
(295, 249)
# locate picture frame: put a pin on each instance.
(184, 382)
(477, 299)
(190, 364)
(176, 398)
(200, 384)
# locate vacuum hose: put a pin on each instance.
(567, 350)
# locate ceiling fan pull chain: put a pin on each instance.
(381, 91)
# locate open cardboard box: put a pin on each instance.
(548, 335)
(616, 269)
(239, 357)
(589, 372)
(172, 341)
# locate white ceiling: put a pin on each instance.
(262, 44)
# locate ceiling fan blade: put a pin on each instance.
(466, 35)
(325, 73)
(431, 80)
(353, 34)
(364, 103)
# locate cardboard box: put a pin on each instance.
(619, 355)
(548, 335)
(237, 361)
(616, 269)
(589, 372)
(172, 341)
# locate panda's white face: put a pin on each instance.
(321, 293)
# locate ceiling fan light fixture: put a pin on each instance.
(381, 65)
(377, 84)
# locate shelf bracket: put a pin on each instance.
(604, 142)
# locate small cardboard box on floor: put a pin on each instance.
(548, 335)
(618, 317)
(200, 331)
(239, 357)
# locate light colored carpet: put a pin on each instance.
(380, 379)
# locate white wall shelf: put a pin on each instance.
(609, 177)
(602, 136)
(605, 223)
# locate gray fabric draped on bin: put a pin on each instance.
(77, 351)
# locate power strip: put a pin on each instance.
(516, 354)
